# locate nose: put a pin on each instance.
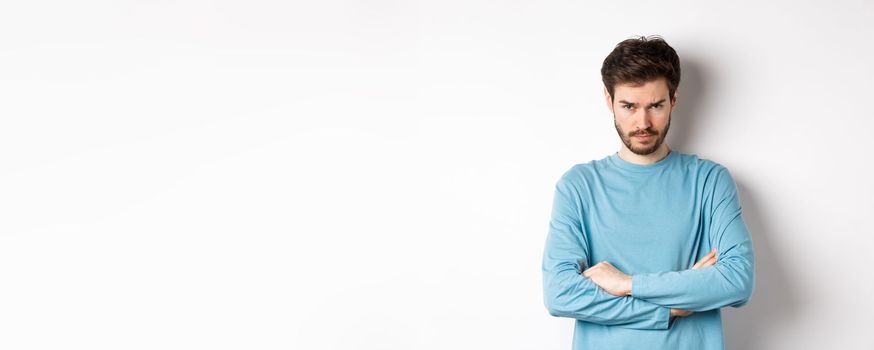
(642, 119)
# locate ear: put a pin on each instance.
(608, 99)
(674, 101)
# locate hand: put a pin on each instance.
(680, 313)
(609, 278)
(707, 260)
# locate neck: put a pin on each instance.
(631, 157)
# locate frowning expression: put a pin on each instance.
(642, 114)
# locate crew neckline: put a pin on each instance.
(624, 164)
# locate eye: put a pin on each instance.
(657, 106)
(627, 106)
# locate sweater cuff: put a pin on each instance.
(663, 318)
(639, 286)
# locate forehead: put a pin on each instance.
(646, 92)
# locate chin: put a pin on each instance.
(645, 150)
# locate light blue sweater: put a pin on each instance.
(652, 222)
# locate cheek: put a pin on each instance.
(661, 121)
(624, 122)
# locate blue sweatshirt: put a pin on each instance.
(652, 222)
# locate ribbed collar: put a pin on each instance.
(642, 168)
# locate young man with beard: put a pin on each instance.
(646, 245)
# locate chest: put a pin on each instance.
(644, 224)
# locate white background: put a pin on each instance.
(379, 175)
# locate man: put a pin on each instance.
(646, 245)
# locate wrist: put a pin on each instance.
(628, 285)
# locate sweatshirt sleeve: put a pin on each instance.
(730, 282)
(567, 293)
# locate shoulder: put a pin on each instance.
(713, 175)
(701, 165)
(581, 174)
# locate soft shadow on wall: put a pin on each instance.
(772, 302)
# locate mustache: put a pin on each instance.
(644, 132)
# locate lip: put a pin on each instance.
(643, 137)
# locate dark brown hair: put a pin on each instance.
(639, 60)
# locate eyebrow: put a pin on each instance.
(635, 104)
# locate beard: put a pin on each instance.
(643, 149)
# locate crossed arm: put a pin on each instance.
(603, 294)
(615, 282)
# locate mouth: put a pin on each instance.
(643, 137)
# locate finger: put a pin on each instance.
(685, 313)
(590, 271)
(711, 254)
(704, 259)
(708, 263)
(715, 256)
(707, 257)
(701, 263)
